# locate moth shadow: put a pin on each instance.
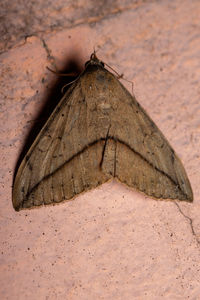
(51, 99)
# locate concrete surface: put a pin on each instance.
(112, 242)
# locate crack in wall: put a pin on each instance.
(74, 22)
(50, 57)
(190, 222)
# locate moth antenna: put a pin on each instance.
(120, 76)
(72, 81)
(94, 50)
(62, 74)
(65, 75)
(62, 90)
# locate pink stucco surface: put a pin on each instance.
(111, 242)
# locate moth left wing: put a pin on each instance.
(65, 157)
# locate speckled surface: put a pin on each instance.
(112, 242)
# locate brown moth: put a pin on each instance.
(98, 131)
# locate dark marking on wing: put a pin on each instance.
(85, 148)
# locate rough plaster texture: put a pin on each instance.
(112, 242)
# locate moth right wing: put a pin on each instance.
(142, 157)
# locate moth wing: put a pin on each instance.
(136, 152)
(65, 157)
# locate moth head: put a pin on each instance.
(94, 60)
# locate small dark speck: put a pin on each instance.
(27, 157)
(28, 248)
(30, 167)
(100, 77)
(69, 36)
(62, 115)
(58, 109)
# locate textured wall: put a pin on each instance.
(112, 242)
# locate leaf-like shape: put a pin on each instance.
(96, 132)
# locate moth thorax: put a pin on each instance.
(94, 61)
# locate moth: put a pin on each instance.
(98, 131)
